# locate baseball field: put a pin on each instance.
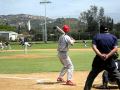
(39, 68)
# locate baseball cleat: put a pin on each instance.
(60, 80)
(69, 82)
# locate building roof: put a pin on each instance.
(8, 32)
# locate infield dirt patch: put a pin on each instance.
(47, 81)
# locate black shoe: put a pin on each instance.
(103, 87)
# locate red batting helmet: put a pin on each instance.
(66, 28)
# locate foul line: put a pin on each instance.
(21, 78)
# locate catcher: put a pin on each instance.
(107, 77)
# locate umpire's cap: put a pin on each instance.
(103, 29)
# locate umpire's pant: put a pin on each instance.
(98, 66)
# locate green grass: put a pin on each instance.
(81, 60)
(52, 45)
(49, 45)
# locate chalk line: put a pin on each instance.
(24, 78)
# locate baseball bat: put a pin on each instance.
(59, 29)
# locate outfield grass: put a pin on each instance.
(52, 45)
(81, 60)
(49, 45)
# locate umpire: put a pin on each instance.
(105, 46)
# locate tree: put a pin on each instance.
(116, 30)
(101, 15)
(7, 28)
(94, 17)
(90, 18)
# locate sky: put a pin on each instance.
(59, 8)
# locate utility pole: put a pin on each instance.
(45, 2)
(100, 22)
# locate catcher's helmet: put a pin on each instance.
(66, 28)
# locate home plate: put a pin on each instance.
(46, 81)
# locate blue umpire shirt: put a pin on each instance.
(105, 42)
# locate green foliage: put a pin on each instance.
(95, 17)
(81, 28)
(116, 30)
(7, 28)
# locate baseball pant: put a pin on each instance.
(67, 65)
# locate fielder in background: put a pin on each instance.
(63, 47)
(1, 45)
(7, 45)
(105, 45)
(84, 42)
(24, 41)
(26, 45)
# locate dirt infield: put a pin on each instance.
(39, 81)
(43, 81)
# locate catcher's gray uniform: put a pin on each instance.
(63, 47)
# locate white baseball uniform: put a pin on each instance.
(63, 47)
(1, 46)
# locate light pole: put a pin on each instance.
(42, 31)
(45, 31)
(100, 21)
